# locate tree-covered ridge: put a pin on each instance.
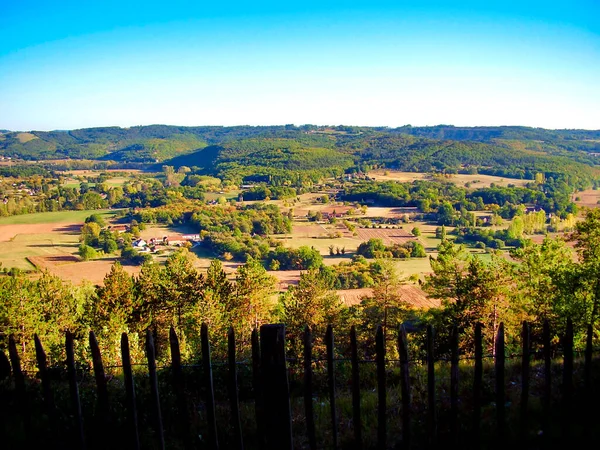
(283, 152)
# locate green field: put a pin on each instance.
(14, 252)
(55, 217)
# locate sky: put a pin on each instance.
(73, 64)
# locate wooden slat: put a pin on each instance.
(233, 392)
(257, 388)
(477, 384)
(74, 390)
(356, 415)
(213, 440)
(134, 440)
(568, 381)
(308, 389)
(331, 385)
(42, 363)
(4, 366)
(150, 356)
(381, 390)
(101, 388)
(21, 393)
(431, 409)
(404, 387)
(587, 379)
(454, 386)
(273, 369)
(547, 396)
(525, 369)
(500, 389)
(179, 388)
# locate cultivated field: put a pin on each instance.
(476, 180)
(588, 198)
(388, 236)
(43, 240)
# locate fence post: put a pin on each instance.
(567, 380)
(74, 389)
(179, 387)
(40, 356)
(21, 394)
(308, 389)
(381, 389)
(273, 369)
(102, 401)
(356, 419)
(331, 384)
(454, 386)
(547, 380)
(588, 377)
(151, 355)
(525, 379)
(500, 396)
(404, 386)
(49, 405)
(5, 410)
(213, 440)
(4, 366)
(431, 413)
(233, 390)
(477, 383)
(130, 393)
(256, 386)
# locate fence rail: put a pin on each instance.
(275, 424)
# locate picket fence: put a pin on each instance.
(273, 413)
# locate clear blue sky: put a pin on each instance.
(73, 64)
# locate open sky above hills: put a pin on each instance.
(76, 64)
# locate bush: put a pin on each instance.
(86, 252)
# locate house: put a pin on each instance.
(140, 243)
(118, 228)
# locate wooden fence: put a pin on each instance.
(273, 421)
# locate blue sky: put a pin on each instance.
(73, 64)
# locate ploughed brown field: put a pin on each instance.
(588, 198)
(413, 295)
(388, 236)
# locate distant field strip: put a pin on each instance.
(388, 236)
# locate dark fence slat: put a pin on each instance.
(74, 389)
(308, 389)
(404, 387)
(454, 386)
(381, 389)
(587, 378)
(273, 369)
(101, 388)
(132, 419)
(21, 393)
(151, 357)
(547, 398)
(567, 380)
(42, 363)
(500, 361)
(431, 412)
(331, 384)
(233, 391)
(256, 387)
(213, 440)
(525, 369)
(4, 366)
(356, 417)
(477, 384)
(179, 388)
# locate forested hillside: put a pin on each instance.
(313, 152)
